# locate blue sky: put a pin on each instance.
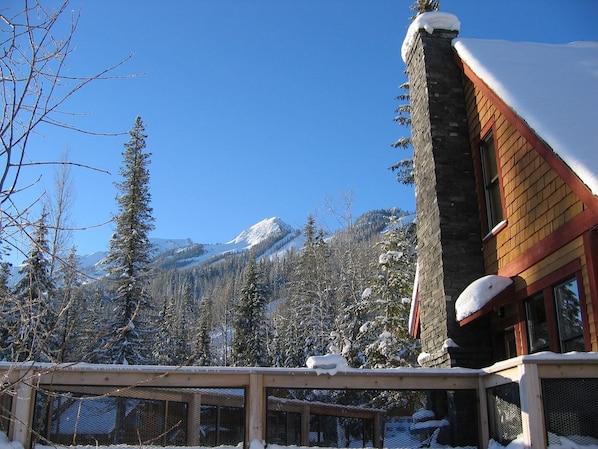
(256, 109)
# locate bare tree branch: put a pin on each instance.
(36, 43)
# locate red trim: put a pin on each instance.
(549, 280)
(559, 238)
(590, 240)
(555, 162)
(521, 337)
(415, 329)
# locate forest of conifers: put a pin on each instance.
(346, 293)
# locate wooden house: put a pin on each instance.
(505, 140)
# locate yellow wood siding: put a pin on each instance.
(537, 201)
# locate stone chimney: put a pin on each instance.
(449, 232)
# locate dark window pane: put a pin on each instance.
(566, 298)
(537, 326)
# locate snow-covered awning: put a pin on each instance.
(481, 296)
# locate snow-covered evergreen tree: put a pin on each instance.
(249, 345)
(164, 344)
(70, 304)
(385, 334)
(31, 316)
(129, 258)
(353, 263)
(172, 346)
(204, 352)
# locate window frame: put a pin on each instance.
(546, 288)
(488, 207)
(491, 180)
(532, 326)
(561, 328)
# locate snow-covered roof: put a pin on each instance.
(553, 88)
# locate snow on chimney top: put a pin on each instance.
(429, 21)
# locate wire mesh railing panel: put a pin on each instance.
(371, 418)
(100, 416)
(571, 410)
(504, 413)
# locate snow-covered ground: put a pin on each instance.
(555, 442)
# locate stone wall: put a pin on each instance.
(449, 239)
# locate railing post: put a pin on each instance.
(23, 411)
(256, 408)
(532, 411)
(483, 413)
(194, 420)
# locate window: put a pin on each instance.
(568, 313)
(564, 332)
(537, 324)
(491, 183)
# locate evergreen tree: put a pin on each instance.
(404, 168)
(204, 353)
(164, 344)
(172, 347)
(353, 260)
(95, 310)
(385, 334)
(32, 317)
(183, 337)
(69, 301)
(5, 307)
(129, 257)
(249, 346)
(421, 6)
(311, 309)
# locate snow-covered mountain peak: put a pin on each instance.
(261, 231)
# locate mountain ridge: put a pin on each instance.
(172, 253)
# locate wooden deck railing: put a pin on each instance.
(22, 381)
